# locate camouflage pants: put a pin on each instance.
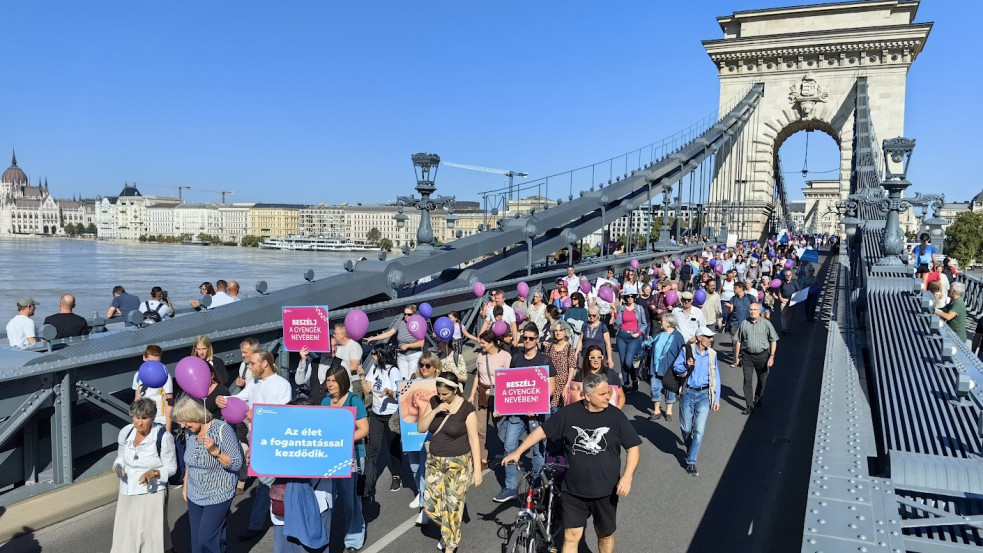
(447, 482)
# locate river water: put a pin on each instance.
(88, 269)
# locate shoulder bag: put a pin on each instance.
(486, 393)
(426, 444)
(676, 382)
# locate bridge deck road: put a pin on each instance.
(750, 494)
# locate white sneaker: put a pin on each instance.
(440, 545)
(415, 504)
(422, 519)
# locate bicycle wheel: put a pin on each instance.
(523, 538)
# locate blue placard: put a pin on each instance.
(810, 255)
(300, 441)
(413, 396)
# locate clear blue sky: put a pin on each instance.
(315, 101)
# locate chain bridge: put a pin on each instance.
(896, 460)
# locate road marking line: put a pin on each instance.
(401, 529)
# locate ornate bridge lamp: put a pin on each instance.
(930, 205)
(724, 216)
(423, 166)
(664, 230)
(897, 155)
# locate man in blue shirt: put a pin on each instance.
(122, 304)
(701, 394)
(740, 308)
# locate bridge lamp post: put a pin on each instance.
(897, 156)
(724, 214)
(664, 231)
(929, 206)
(425, 168)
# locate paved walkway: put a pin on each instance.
(750, 495)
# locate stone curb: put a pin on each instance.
(57, 505)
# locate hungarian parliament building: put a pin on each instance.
(26, 209)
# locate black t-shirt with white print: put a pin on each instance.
(592, 443)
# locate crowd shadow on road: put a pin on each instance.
(23, 542)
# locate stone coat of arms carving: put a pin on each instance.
(806, 94)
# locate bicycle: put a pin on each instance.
(536, 526)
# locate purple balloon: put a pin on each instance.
(719, 269)
(478, 289)
(634, 264)
(234, 411)
(356, 324)
(761, 296)
(523, 289)
(789, 264)
(194, 376)
(678, 263)
(444, 329)
(713, 262)
(585, 287)
(426, 310)
(606, 293)
(519, 317)
(500, 328)
(567, 303)
(700, 297)
(153, 374)
(775, 283)
(672, 297)
(417, 326)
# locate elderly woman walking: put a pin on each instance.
(144, 460)
(212, 459)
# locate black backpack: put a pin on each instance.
(152, 315)
(686, 272)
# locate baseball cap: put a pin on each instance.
(26, 301)
(705, 331)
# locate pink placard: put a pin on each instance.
(306, 326)
(522, 390)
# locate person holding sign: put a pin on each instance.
(345, 490)
(453, 463)
(212, 459)
(510, 427)
(414, 405)
(593, 436)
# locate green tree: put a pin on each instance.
(385, 244)
(373, 236)
(70, 229)
(964, 238)
(91, 229)
(250, 241)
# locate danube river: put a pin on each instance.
(47, 268)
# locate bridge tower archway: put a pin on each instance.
(809, 59)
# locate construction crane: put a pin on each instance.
(222, 192)
(178, 188)
(510, 174)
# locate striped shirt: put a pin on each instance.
(210, 483)
(756, 337)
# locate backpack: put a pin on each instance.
(160, 435)
(152, 315)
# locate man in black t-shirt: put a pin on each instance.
(510, 427)
(65, 321)
(593, 434)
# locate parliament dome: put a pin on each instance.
(14, 174)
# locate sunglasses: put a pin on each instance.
(596, 358)
(426, 365)
(407, 314)
(530, 338)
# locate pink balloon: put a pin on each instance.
(523, 289)
(234, 411)
(356, 324)
(789, 264)
(606, 293)
(761, 296)
(776, 283)
(672, 297)
(194, 376)
(634, 264)
(417, 326)
(678, 263)
(478, 289)
(585, 287)
(567, 303)
(519, 317)
(719, 268)
(500, 328)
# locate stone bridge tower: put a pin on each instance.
(808, 58)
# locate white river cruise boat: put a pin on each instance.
(316, 244)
